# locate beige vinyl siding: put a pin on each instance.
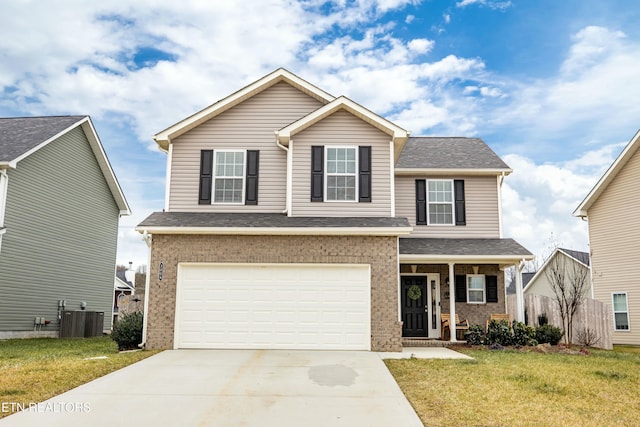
(614, 237)
(247, 126)
(341, 129)
(481, 207)
(62, 230)
(542, 285)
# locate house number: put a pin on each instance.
(160, 271)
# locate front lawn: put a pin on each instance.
(34, 370)
(515, 388)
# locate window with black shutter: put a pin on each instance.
(421, 202)
(461, 288)
(364, 166)
(461, 217)
(251, 190)
(317, 173)
(492, 288)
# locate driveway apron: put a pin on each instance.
(234, 388)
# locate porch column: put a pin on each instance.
(519, 294)
(452, 304)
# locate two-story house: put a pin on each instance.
(60, 206)
(298, 220)
(611, 208)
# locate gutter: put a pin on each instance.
(287, 209)
(147, 239)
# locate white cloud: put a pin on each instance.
(538, 199)
(496, 5)
(420, 45)
(447, 18)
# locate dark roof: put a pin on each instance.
(209, 219)
(18, 135)
(121, 274)
(448, 153)
(462, 247)
(526, 278)
(583, 257)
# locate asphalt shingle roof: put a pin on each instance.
(231, 220)
(463, 247)
(18, 135)
(448, 153)
(583, 257)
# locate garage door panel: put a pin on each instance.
(273, 306)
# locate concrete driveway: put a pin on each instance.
(234, 388)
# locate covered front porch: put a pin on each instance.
(456, 277)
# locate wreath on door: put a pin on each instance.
(414, 292)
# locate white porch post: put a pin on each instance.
(519, 294)
(452, 304)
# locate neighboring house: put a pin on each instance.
(539, 283)
(60, 204)
(298, 220)
(122, 286)
(611, 208)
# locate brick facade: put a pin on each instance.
(477, 314)
(379, 252)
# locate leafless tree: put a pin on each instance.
(569, 284)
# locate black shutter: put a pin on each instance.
(251, 193)
(461, 217)
(421, 202)
(317, 173)
(364, 166)
(461, 288)
(206, 170)
(492, 288)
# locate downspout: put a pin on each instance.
(287, 209)
(147, 239)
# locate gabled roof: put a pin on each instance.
(163, 138)
(578, 256)
(398, 135)
(121, 283)
(22, 136)
(449, 155)
(609, 175)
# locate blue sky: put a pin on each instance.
(552, 86)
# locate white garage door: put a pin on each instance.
(275, 306)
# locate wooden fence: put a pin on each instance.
(592, 315)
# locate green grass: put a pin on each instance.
(34, 370)
(513, 388)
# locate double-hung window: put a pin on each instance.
(228, 176)
(440, 201)
(620, 311)
(475, 289)
(341, 173)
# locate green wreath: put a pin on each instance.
(414, 292)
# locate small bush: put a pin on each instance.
(588, 337)
(548, 334)
(127, 331)
(475, 335)
(498, 333)
(523, 335)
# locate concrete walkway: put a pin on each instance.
(425, 353)
(236, 388)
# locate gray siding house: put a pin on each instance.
(60, 204)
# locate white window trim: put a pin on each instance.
(613, 311)
(453, 203)
(326, 174)
(484, 288)
(214, 176)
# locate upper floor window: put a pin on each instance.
(341, 173)
(620, 312)
(228, 176)
(440, 202)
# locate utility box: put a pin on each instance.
(81, 324)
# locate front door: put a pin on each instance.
(414, 306)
